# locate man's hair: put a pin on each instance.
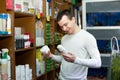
(62, 13)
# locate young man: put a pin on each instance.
(82, 47)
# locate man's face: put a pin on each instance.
(67, 25)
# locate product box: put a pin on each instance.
(9, 4)
(17, 5)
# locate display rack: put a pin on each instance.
(26, 23)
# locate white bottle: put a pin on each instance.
(22, 72)
(27, 72)
(4, 67)
(62, 49)
(45, 49)
(37, 67)
(9, 24)
(4, 64)
(18, 76)
(9, 68)
(30, 74)
(6, 56)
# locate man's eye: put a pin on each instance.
(65, 24)
(61, 26)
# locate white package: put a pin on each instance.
(45, 49)
(62, 49)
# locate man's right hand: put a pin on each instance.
(48, 54)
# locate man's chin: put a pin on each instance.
(69, 33)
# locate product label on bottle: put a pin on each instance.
(4, 75)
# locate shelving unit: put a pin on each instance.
(26, 22)
(26, 55)
(7, 41)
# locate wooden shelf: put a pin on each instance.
(5, 36)
(19, 14)
(25, 49)
(26, 21)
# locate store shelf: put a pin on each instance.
(26, 21)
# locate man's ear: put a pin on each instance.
(73, 18)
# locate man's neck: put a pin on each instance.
(77, 29)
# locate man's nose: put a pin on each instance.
(64, 28)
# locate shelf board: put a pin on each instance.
(19, 14)
(5, 36)
(41, 75)
(39, 46)
(8, 35)
(25, 49)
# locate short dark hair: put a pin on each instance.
(62, 13)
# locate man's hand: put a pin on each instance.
(69, 57)
(49, 54)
